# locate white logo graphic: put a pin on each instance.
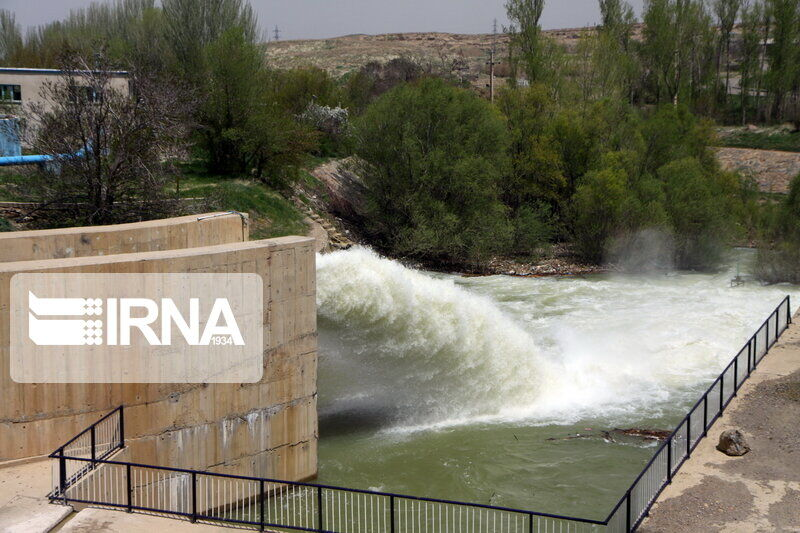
(137, 328)
(120, 322)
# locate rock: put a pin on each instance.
(733, 443)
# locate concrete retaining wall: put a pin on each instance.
(263, 429)
(171, 234)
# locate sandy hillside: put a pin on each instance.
(439, 50)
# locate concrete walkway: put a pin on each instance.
(757, 492)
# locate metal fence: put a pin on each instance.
(85, 472)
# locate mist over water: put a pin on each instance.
(465, 379)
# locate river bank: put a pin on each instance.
(761, 490)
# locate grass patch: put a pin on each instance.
(5, 225)
(8, 182)
(775, 140)
(271, 214)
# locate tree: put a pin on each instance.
(752, 20)
(618, 20)
(192, 25)
(677, 48)
(110, 149)
(783, 78)
(699, 205)
(726, 11)
(526, 35)
(434, 157)
(243, 124)
(10, 37)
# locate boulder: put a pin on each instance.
(733, 443)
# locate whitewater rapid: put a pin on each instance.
(411, 350)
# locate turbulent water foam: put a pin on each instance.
(412, 350)
(429, 349)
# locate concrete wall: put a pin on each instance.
(171, 234)
(265, 429)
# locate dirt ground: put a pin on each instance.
(757, 492)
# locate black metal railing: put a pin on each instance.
(85, 473)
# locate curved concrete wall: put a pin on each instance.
(170, 234)
(267, 428)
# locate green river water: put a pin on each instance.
(449, 387)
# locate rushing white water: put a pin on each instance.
(417, 350)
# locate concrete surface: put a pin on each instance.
(106, 521)
(25, 514)
(23, 506)
(759, 492)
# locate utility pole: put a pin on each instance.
(492, 63)
(277, 34)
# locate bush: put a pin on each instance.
(698, 205)
(597, 210)
(779, 252)
(434, 158)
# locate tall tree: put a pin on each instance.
(618, 20)
(10, 37)
(752, 19)
(526, 35)
(192, 25)
(784, 56)
(726, 11)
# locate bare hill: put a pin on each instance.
(463, 54)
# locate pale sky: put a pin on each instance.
(314, 19)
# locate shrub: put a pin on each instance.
(434, 157)
(698, 205)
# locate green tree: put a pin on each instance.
(243, 126)
(699, 205)
(526, 36)
(192, 25)
(783, 77)
(10, 37)
(598, 206)
(434, 159)
(726, 11)
(752, 21)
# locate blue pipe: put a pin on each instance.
(25, 160)
(36, 159)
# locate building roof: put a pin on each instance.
(21, 70)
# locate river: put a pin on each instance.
(450, 387)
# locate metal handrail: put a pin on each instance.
(631, 522)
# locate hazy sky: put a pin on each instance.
(309, 19)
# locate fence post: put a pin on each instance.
(736, 375)
(669, 460)
(194, 497)
(768, 343)
(391, 514)
(788, 310)
(689, 435)
(261, 504)
(62, 475)
(319, 509)
(129, 487)
(749, 356)
(93, 440)
(628, 520)
(721, 394)
(755, 350)
(121, 427)
(705, 415)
